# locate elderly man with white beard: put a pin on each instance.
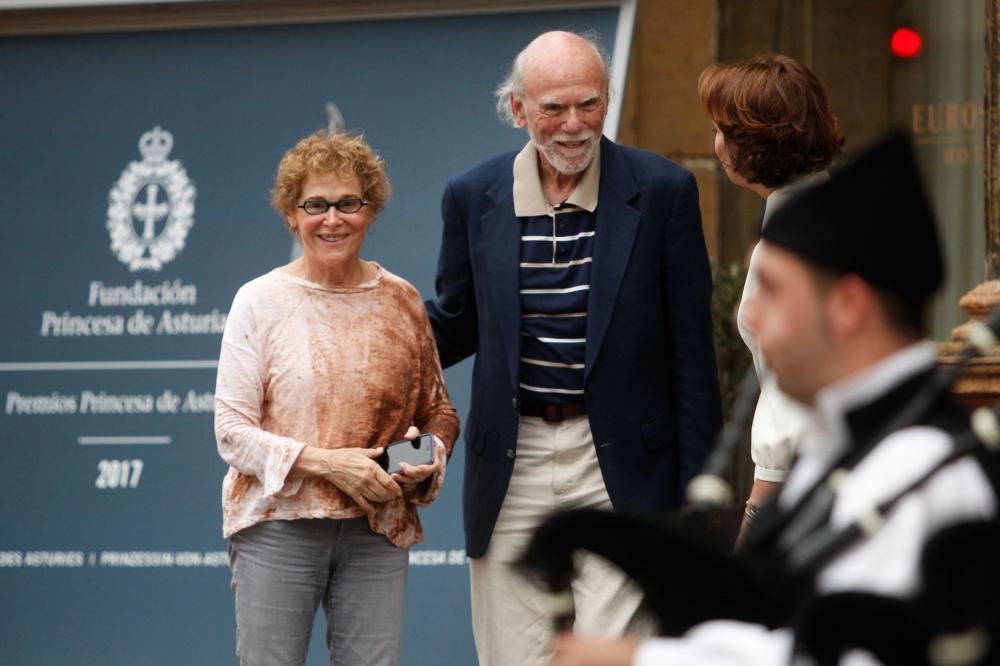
(575, 271)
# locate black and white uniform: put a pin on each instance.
(886, 563)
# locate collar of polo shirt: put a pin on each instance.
(529, 198)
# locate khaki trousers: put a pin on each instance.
(556, 468)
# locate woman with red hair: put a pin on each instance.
(773, 128)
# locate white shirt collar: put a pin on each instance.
(836, 400)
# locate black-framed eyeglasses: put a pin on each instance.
(320, 206)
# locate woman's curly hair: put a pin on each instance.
(321, 153)
(775, 117)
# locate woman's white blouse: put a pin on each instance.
(778, 422)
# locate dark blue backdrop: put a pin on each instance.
(92, 574)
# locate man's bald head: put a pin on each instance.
(552, 56)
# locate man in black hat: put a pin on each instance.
(846, 270)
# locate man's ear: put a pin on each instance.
(849, 304)
(517, 109)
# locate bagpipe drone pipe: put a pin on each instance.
(687, 578)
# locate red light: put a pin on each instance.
(906, 43)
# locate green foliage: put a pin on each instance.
(731, 354)
(734, 362)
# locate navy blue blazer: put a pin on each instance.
(650, 383)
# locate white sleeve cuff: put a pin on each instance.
(767, 474)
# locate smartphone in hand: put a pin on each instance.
(419, 451)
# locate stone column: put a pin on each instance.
(980, 384)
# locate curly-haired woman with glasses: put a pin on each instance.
(324, 361)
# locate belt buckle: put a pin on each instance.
(552, 413)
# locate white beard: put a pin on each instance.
(564, 166)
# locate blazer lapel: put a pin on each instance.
(617, 223)
(501, 233)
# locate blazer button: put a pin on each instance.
(513, 402)
(510, 454)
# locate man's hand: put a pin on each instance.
(573, 650)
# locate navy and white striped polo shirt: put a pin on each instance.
(557, 246)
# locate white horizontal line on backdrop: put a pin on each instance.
(133, 439)
(108, 365)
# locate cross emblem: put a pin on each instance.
(150, 211)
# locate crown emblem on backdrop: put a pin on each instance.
(155, 145)
(151, 207)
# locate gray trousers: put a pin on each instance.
(282, 572)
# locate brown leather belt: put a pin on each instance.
(554, 413)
